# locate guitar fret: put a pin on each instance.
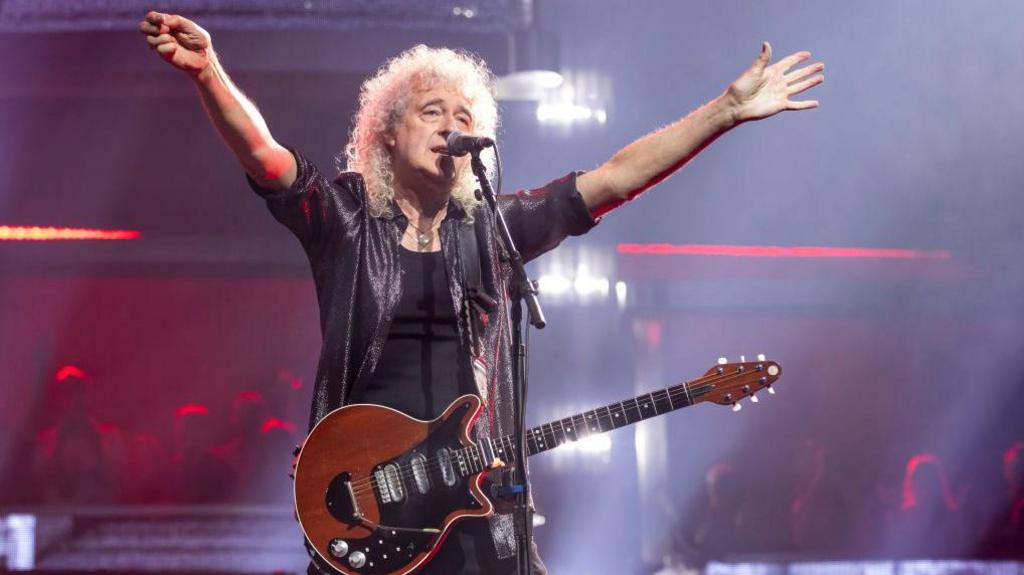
(570, 429)
(538, 435)
(649, 405)
(636, 406)
(553, 442)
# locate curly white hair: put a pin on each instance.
(383, 99)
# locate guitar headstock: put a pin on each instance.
(728, 383)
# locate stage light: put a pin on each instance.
(781, 251)
(36, 233)
(568, 113)
(586, 285)
(19, 541)
(527, 85)
(582, 98)
(554, 284)
(593, 445)
(620, 294)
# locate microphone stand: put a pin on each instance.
(522, 289)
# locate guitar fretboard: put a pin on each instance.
(613, 416)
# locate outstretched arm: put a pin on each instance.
(189, 48)
(763, 90)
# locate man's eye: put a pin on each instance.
(432, 112)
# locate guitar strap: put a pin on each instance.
(477, 304)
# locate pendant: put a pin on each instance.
(424, 240)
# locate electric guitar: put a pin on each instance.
(377, 491)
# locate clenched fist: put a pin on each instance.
(179, 41)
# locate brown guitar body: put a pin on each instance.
(376, 491)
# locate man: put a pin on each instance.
(401, 325)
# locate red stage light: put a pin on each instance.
(70, 371)
(36, 233)
(272, 423)
(780, 251)
(192, 409)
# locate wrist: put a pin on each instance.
(726, 111)
(209, 71)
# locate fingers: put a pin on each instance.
(167, 50)
(154, 24)
(764, 57)
(802, 105)
(798, 87)
(147, 27)
(156, 41)
(803, 73)
(159, 23)
(791, 60)
(173, 21)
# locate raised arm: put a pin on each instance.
(189, 48)
(763, 90)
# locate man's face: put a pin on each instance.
(419, 140)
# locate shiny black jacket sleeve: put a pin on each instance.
(541, 218)
(312, 208)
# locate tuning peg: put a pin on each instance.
(722, 361)
(754, 399)
(743, 359)
(771, 390)
(736, 406)
(760, 357)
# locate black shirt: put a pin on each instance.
(420, 372)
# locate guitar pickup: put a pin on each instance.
(393, 481)
(382, 486)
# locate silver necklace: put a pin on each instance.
(423, 238)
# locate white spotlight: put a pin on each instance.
(554, 284)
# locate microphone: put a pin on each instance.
(460, 144)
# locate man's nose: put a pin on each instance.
(450, 125)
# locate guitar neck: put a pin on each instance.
(724, 384)
(613, 416)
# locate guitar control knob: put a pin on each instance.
(338, 548)
(357, 559)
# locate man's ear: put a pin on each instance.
(389, 141)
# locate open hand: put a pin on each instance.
(764, 90)
(178, 40)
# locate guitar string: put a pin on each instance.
(407, 472)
